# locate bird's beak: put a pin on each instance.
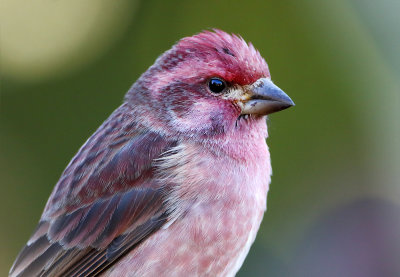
(264, 98)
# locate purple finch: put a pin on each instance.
(174, 182)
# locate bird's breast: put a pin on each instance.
(220, 203)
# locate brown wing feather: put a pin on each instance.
(105, 203)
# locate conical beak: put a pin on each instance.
(265, 98)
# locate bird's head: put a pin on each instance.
(207, 85)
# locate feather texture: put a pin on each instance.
(174, 182)
(106, 202)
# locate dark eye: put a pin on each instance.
(216, 85)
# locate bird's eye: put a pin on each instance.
(216, 85)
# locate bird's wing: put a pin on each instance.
(106, 202)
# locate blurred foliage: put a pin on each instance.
(335, 155)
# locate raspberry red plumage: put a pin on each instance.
(175, 181)
(227, 56)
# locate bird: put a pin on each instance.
(175, 181)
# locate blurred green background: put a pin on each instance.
(334, 202)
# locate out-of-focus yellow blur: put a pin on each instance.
(334, 202)
(42, 38)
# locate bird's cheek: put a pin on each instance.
(198, 117)
(195, 117)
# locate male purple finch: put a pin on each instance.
(174, 182)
